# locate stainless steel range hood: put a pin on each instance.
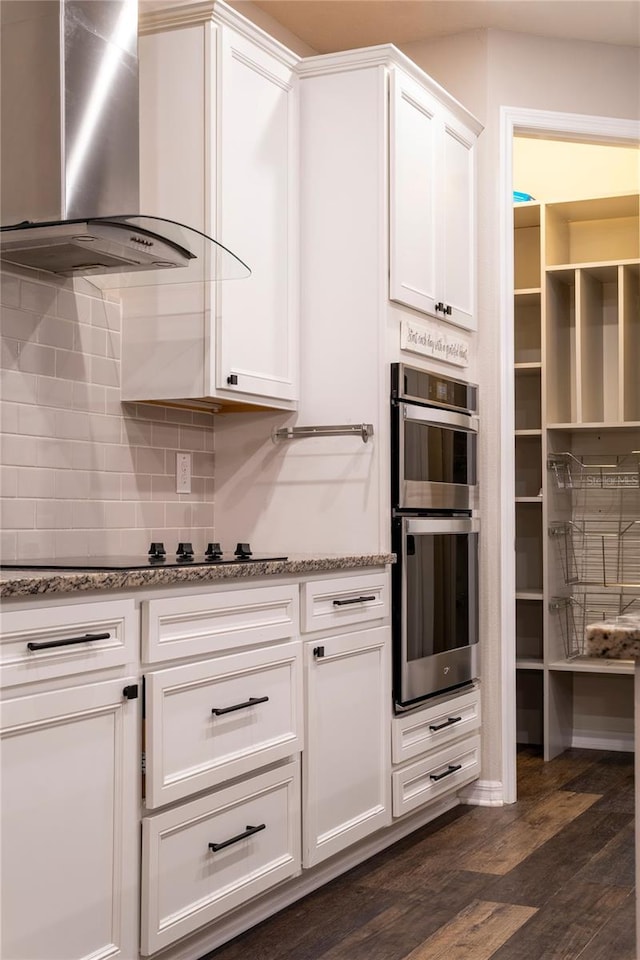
(69, 173)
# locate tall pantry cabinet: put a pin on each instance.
(577, 463)
(369, 119)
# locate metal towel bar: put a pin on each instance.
(363, 430)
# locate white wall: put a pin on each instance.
(83, 473)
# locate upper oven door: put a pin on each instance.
(435, 456)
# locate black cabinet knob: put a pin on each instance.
(184, 551)
(232, 379)
(243, 550)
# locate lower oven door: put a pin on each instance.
(435, 605)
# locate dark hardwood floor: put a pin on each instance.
(550, 877)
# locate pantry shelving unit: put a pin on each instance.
(577, 482)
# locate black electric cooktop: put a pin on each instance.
(185, 556)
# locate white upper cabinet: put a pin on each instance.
(257, 199)
(432, 200)
(218, 152)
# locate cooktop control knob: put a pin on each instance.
(213, 551)
(243, 551)
(157, 551)
(185, 551)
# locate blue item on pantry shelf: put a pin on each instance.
(519, 197)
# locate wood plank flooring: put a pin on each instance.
(550, 877)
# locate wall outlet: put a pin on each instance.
(183, 473)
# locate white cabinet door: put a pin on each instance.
(70, 836)
(432, 205)
(414, 128)
(457, 230)
(257, 203)
(346, 763)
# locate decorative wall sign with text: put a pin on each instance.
(418, 338)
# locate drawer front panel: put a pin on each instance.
(49, 642)
(340, 601)
(447, 770)
(257, 696)
(178, 627)
(186, 884)
(416, 733)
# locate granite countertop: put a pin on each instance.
(17, 583)
(614, 641)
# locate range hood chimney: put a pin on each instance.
(69, 175)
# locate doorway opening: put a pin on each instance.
(570, 324)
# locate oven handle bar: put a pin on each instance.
(442, 525)
(437, 417)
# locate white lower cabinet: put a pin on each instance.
(264, 753)
(435, 750)
(70, 836)
(435, 774)
(203, 858)
(224, 714)
(346, 762)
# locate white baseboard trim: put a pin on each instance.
(247, 916)
(483, 793)
(623, 743)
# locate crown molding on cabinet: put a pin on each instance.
(191, 14)
(385, 55)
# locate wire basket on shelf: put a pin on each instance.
(576, 612)
(601, 552)
(620, 472)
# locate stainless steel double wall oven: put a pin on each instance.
(435, 532)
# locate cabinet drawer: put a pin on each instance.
(197, 626)
(50, 642)
(257, 699)
(416, 733)
(186, 884)
(420, 782)
(344, 600)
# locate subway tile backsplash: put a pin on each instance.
(83, 473)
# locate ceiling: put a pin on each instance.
(330, 25)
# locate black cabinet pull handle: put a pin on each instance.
(249, 831)
(232, 379)
(318, 651)
(448, 722)
(47, 644)
(440, 306)
(343, 603)
(218, 711)
(447, 773)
